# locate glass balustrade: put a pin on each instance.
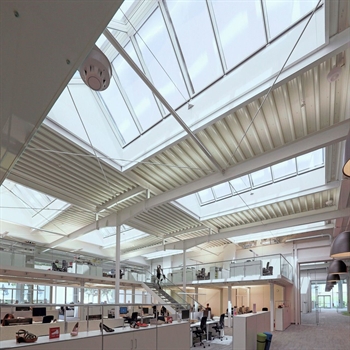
(259, 267)
(256, 267)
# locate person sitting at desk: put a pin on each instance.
(7, 317)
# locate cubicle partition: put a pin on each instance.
(103, 332)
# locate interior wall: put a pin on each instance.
(260, 295)
(211, 296)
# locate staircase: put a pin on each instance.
(164, 298)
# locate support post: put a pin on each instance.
(272, 307)
(184, 268)
(229, 305)
(117, 268)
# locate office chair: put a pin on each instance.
(268, 270)
(48, 319)
(201, 331)
(201, 274)
(64, 266)
(55, 267)
(220, 326)
(133, 318)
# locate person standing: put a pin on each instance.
(160, 275)
(207, 311)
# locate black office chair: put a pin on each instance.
(201, 331)
(220, 326)
(54, 267)
(48, 319)
(133, 318)
(268, 270)
(64, 266)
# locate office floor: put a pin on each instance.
(332, 332)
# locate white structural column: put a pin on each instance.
(133, 294)
(272, 306)
(117, 269)
(184, 274)
(229, 304)
(296, 279)
(195, 297)
(340, 294)
(82, 293)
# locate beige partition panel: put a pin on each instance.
(247, 327)
(163, 337)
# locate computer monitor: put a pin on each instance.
(18, 321)
(123, 310)
(185, 314)
(39, 311)
(22, 308)
(145, 310)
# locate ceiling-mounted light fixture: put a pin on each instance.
(96, 70)
(333, 278)
(334, 74)
(340, 248)
(337, 267)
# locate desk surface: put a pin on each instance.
(197, 324)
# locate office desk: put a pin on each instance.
(198, 324)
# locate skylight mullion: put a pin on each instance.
(266, 23)
(217, 36)
(176, 46)
(126, 100)
(109, 118)
(195, 34)
(146, 71)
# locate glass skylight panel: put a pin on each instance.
(222, 190)
(158, 53)
(123, 10)
(65, 114)
(196, 37)
(310, 161)
(90, 113)
(284, 169)
(206, 196)
(261, 177)
(283, 14)
(127, 233)
(162, 253)
(139, 95)
(241, 29)
(119, 112)
(132, 235)
(241, 184)
(27, 206)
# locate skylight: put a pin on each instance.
(182, 47)
(24, 206)
(105, 237)
(281, 232)
(263, 177)
(162, 253)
